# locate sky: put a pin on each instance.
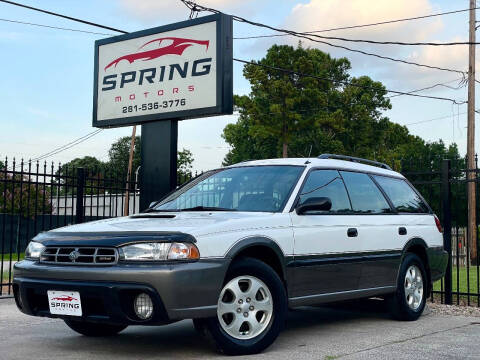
(46, 76)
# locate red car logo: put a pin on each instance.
(64, 298)
(177, 47)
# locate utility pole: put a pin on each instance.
(126, 209)
(471, 174)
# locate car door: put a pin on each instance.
(377, 231)
(410, 207)
(323, 249)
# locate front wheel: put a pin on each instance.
(94, 329)
(251, 309)
(409, 300)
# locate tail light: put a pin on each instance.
(438, 223)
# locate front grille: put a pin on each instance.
(79, 256)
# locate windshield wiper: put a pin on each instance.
(150, 210)
(206, 208)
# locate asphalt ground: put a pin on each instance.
(359, 330)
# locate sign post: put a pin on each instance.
(157, 77)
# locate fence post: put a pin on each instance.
(80, 187)
(447, 227)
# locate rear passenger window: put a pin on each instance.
(403, 197)
(327, 183)
(364, 194)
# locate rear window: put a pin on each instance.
(403, 197)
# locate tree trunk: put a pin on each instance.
(285, 150)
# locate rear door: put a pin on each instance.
(323, 250)
(376, 223)
(415, 219)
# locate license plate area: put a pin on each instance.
(64, 303)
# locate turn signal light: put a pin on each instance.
(186, 251)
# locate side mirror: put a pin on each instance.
(314, 204)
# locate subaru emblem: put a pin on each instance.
(74, 255)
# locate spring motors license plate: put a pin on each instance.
(64, 303)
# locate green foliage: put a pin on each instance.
(119, 154)
(184, 162)
(113, 173)
(19, 197)
(94, 169)
(307, 116)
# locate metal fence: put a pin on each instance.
(443, 183)
(37, 197)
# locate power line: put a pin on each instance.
(198, 8)
(344, 82)
(402, 43)
(68, 146)
(54, 27)
(434, 119)
(63, 16)
(193, 6)
(359, 26)
(461, 84)
(247, 62)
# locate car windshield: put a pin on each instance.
(250, 188)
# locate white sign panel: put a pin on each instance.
(177, 71)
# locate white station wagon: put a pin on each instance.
(236, 247)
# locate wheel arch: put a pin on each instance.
(419, 247)
(261, 248)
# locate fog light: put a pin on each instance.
(143, 306)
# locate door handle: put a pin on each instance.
(352, 232)
(402, 231)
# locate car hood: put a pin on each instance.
(178, 226)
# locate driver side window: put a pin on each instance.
(326, 183)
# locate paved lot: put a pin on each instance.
(353, 331)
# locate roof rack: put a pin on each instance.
(354, 159)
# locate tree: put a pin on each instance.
(66, 181)
(119, 154)
(20, 197)
(91, 164)
(184, 162)
(120, 151)
(287, 114)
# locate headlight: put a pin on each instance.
(159, 252)
(34, 250)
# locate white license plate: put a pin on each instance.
(64, 303)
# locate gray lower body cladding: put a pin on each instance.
(180, 291)
(437, 261)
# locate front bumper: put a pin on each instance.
(179, 291)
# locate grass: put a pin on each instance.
(5, 277)
(6, 264)
(462, 285)
(6, 257)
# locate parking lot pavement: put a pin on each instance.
(361, 330)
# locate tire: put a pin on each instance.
(257, 329)
(408, 302)
(94, 329)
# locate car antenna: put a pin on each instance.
(309, 153)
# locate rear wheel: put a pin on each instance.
(94, 329)
(251, 309)
(409, 300)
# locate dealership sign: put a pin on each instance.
(173, 72)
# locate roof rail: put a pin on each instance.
(354, 159)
